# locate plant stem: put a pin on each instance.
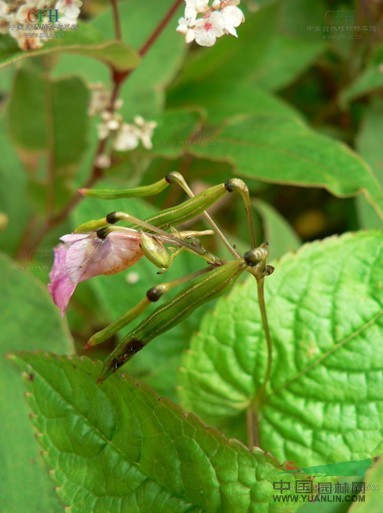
(265, 324)
(160, 27)
(116, 20)
(118, 78)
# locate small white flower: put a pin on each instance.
(184, 28)
(103, 161)
(99, 100)
(69, 9)
(193, 7)
(127, 138)
(145, 131)
(208, 29)
(233, 17)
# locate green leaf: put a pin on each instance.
(219, 105)
(29, 321)
(283, 150)
(369, 145)
(371, 79)
(284, 60)
(374, 491)
(277, 231)
(45, 115)
(174, 131)
(13, 195)
(50, 117)
(120, 448)
(85, 41)
(324, 401)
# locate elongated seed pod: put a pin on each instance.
(172, 312)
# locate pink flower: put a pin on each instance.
(85, 255)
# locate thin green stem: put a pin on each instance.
(265, 324)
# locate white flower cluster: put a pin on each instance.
(25, 20)
(124, 136)
(203, 23)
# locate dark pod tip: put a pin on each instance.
(112, 218)
(153, 294)
(102, 233)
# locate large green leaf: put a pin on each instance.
(280, 149)
(50, 117)
(284, 60)
(228, 98)
(324, 402)
(369, 145)
(85, 41)
(53, 115)
(119, 448)
(373, 497)
(29, 321)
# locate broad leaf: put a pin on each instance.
(226, 99)
(29, 322)
(283, 150)
(85, 41)
(55, 124)
(118, 447)
(324, 402)
(284, 60)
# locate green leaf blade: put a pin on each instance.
(120, 448)
(324, 402)
(283, 150)
(85, 41)
(29, 321)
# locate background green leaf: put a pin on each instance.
(324, 401)
(283, 150)
(29, 321)
(84, 41)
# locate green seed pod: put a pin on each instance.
(166, 316)
(154, 251)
